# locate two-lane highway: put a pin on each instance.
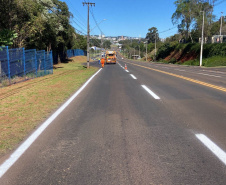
(142, 125)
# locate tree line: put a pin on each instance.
(38, 24)
(188, 18)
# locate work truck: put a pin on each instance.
(110, 57)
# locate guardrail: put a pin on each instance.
(18, 64)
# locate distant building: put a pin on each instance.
(218, 38)
(162, 39)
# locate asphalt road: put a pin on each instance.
(116, 132)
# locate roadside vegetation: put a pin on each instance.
(25, 105)
(40, 25)
(184, 47)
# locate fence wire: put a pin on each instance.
(75, 52)
(18, 64)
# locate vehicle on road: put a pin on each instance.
(110, 57)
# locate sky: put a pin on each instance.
(128, 17)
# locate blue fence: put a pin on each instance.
(18, 64)
(75, 52)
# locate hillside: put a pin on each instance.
(182, 53)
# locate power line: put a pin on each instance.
(168, 29)
(91, 11)
(219, 3)
(49, 8)
(176, 26)
(78, 25)
(78, 14)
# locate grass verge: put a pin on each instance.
(25, 105)
(215, 61)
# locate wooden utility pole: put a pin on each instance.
(88, 3)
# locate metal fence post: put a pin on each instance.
(44, 62)
(36, 64)
(7, 52)
(51, 58)
(24, 63)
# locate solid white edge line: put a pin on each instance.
(150, 92)
(133, 76)
(213, 147)
(27, 143)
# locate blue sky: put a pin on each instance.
(128, 17)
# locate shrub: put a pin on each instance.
(173, 60)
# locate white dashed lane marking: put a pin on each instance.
(150, 92)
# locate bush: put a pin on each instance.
(209, 51)
(173, 60)
(165, 50)
(214, 61)
(191, 63)
(217, 49)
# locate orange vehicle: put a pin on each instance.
(110, 57)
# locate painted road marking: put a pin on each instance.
(214, 71)
(213, 147)
(209, 75)
(27, 143)
(127, 71)
(133, 76)
(150, 92)
(185, 78)
(179, 70)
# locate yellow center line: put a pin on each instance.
(185, 78)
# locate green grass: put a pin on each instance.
(191, 63)
(25, 105)
(215, 61)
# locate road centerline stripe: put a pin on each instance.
(133, 76)
(185, 78)
(151, 92)
(212, 147)
(28, 142)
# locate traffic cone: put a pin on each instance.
(125, 67)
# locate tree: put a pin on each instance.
(107, 44)
(184, 16)
(152, 35)
(187, 15)
(95, 42)
(80, 42)
(7, 37)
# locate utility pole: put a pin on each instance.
(155, 46)
(88, 3)
(221, 22)
(134, 54)
(139, 50)
(202, 39)
(146, 51)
